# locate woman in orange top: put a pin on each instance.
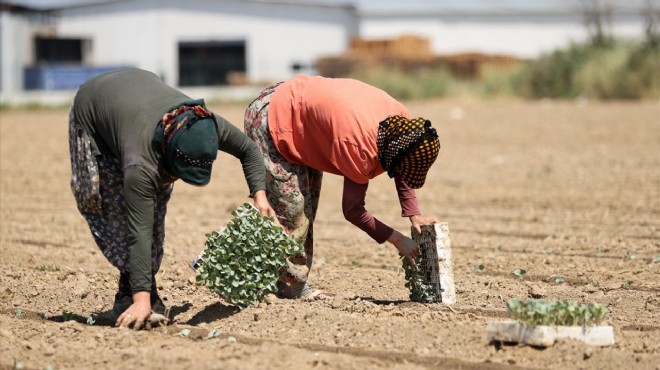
(309, 125)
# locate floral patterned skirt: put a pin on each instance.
(293, 190)
(97, 183)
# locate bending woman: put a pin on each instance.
(131, 137)
(309, 125)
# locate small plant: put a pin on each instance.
(66, 316)
(19, 313)
(540, 312)
(183, 333)
(17, 365)
(559, 280)
(657, 258)
(213, 334)
(242, 261)
(91, 321)
(519, 272)
(629, 255)
(416, 281)
(480, 269)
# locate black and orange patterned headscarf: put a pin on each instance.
(407, 148)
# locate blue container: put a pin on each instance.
(61, 77)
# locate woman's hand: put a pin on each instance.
(406, 246)
(261, 202)
(418, 220)
(138, 313)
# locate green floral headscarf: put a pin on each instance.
(188, 138)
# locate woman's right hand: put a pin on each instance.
(406, 246)
(138, 313)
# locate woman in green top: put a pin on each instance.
(131, 136)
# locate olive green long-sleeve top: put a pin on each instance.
(120, 110)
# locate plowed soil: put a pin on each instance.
(556, 188)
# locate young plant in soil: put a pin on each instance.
(242, 261)
(416, 281)
(540, 312)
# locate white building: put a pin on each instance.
(208, 42)
(187, 43)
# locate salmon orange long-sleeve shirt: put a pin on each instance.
(331, 125)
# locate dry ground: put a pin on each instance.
(558, 189)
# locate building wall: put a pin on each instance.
(521, 36)
(146, 33)
(15, 47)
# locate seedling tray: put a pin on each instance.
(546, 336)
(435, 263)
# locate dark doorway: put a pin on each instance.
(208, 63)
(50, 50)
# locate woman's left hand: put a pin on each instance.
(418, 220)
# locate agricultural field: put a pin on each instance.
(568, 192)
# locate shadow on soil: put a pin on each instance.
(214, 312)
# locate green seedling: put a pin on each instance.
(17, 365)
(657, 258)
(519, 272)
(184, 333)
(66, 316)
(540, 312)
(499, 248)
(416, 280)
(242, 262)
(19, 313)
(480, 269)
(559, 280)
(213, 334)
(629, 255)
(91, 321)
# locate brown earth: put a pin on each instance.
(559, 189)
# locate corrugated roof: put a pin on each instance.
(416, 7)
(63, 4)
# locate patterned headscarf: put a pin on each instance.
(407, 148)
(188, 138)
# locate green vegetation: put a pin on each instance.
(539, 312)
(612, 70)
(242, 261)
(519, 272)
(417, 281)
(409, 86)
(617, 70)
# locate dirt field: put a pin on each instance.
(558, 189)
